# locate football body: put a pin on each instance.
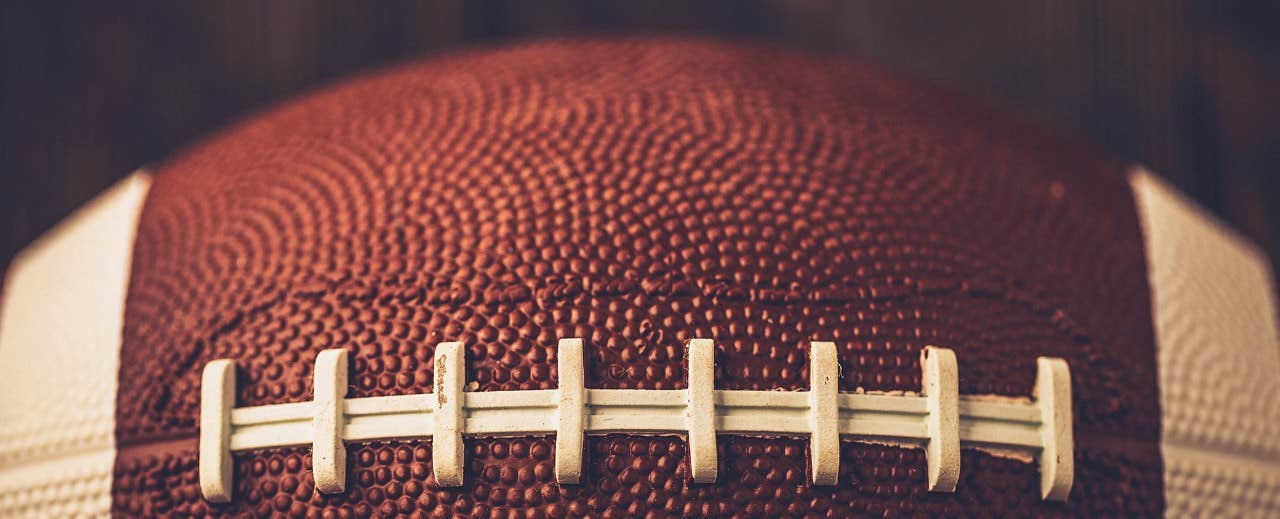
(639, 278)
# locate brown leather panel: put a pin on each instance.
(638, 194)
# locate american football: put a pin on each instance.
(639, 278)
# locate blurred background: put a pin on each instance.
(91, 90)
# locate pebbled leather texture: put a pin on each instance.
(637, 194)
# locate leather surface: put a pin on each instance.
(637, 194)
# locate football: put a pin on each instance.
(639, 278)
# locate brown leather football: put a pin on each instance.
(640, 195)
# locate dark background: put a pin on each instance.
(91, 90)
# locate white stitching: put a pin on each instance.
(940, 421)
